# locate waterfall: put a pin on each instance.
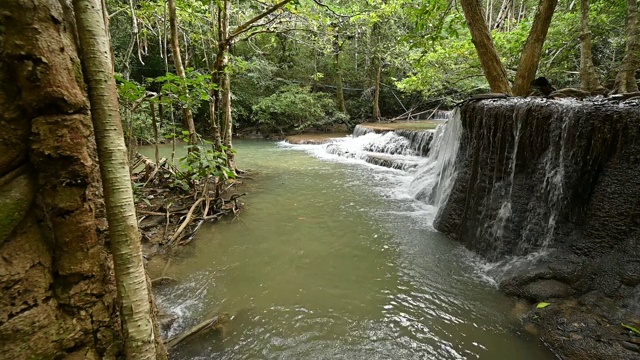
(436, 175)
(360, 130)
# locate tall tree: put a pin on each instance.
(377, 69)
(337, 48)
(528, 65)
(492, 66)
(133, 293)
(588, 78)
(626, 78)
(57, 298)
(177, 61)
(220, 71)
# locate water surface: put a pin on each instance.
(332, 259)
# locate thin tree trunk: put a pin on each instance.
(154, 122)
(105, 15)
(492, 66)
(226, 87)
(376, 90)
(588, 78)
(340, 104)
(533, 48)
(626, 78)
(133, 293)
(177, 60)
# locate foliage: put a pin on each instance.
(202, 162)
(629, 327)
(542, 305)
(424, 48)
(296, 108)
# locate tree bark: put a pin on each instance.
(133, 293)
(225, 86)
(177, 60)
(376, 88)
(588, 78)
(492, 66)
(533, 48)
(58, 297)
(626, 78)
(340, 104)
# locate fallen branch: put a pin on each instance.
(215, 322)
(186, 221)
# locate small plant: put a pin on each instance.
(202, 163)
(629, 327)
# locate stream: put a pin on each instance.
(333, 258)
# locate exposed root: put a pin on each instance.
(169, 212)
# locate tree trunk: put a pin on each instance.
(492, 66)
(533, 48)
(133, 293)
(337, 48)
(376, 88)
(588, 78)
(215, 76)
(225, 86)
(626, 78)
(177, 60)
(58, 298)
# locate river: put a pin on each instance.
(332, 258)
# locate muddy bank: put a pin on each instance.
(560, 178)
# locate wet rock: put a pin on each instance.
(546, 289)
(537, 174)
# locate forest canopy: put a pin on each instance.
(280, 67)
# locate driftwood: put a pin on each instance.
(217, 323)
(183, 212)
(163, 281)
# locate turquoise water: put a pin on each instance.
(332, 259)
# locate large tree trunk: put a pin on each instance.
(533, 48)
(492, 66)
(588, 78)
(177, 60)
(58, 299)
(626, 78)
(133, 294)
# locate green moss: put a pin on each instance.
(77, 73)
(15, 200)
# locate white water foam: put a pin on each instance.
(435, 177)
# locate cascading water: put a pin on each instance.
(435, 176)
(387, 149)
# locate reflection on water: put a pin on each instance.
(334, 261)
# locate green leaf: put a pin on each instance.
(630, 328)
(542, 305)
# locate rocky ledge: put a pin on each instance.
(556, 183)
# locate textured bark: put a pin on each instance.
(588, 78)
(58, 296)
(187, 114)
(533, 48)
(626, 78)
(133, 294)
(492, 66)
